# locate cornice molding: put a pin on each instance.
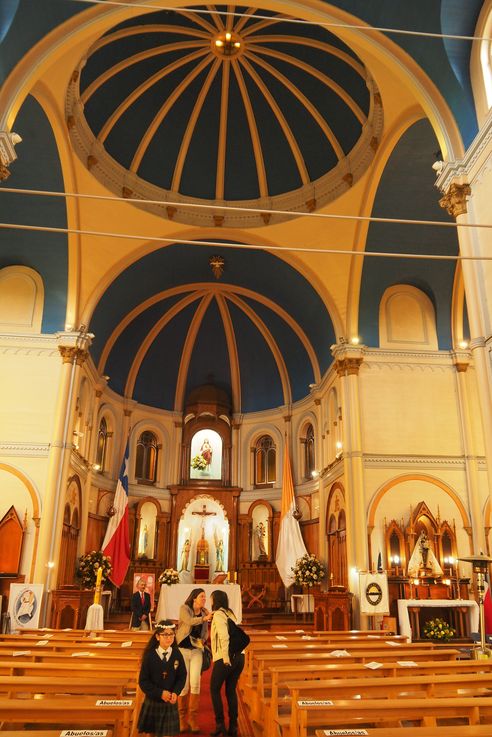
(467, 169)
(26, 450)
(395, 461)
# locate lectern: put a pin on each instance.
(480, 564)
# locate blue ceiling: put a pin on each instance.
(265, 276)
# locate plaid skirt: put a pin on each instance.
(158, 717)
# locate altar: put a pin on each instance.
(463, 615)
(172, 597)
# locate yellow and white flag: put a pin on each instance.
(290, 546)
(373, 591)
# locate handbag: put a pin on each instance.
(238, 639)
(206, 658)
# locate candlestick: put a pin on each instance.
(235, 576)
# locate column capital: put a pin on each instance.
(455, 199)
(8, 142)
(348, 358)
(71, 353)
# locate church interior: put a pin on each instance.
(237, 237)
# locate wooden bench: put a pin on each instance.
(451, 730)
(398, 687)
(115, 687)
(357, 713)
(252, 680)
(83, 713)
(91, 669)
(280, 675)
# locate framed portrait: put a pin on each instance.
(25, 605)
(149, 585)
(206, 455)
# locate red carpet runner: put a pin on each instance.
(206, 714)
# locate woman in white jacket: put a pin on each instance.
(226, 670)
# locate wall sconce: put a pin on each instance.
(355, 340)
(96, 467)
(315, 474)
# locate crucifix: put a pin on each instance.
(204, 513)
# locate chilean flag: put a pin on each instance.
(116, 542)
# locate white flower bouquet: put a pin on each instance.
(308, 571)
(169, 576)
(89, 565)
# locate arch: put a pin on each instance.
(406, 319)
(377, 499)
(21, 300)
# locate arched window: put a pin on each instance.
(146, 463)
(102, 443)
(265, 461)
(309, 460)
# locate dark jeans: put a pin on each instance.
(228, 674)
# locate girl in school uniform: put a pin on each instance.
(162, 678)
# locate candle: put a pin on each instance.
(97, 595)
(235, 576)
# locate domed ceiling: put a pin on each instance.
(167, 324)
(224, 105)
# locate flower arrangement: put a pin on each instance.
(199, 463)
(89, 565)
(438, 629)
(169, 576)
(308, 571)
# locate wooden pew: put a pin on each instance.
(402, 687)
(451, 730)
(280, 675)
(252, 679)
(91, 669)
(25, 686)
(83, 713)
(356, 713)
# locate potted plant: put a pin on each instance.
(308, 571)
(88, 566)
(438, 629)
(169, 576)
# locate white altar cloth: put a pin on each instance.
(404, 619)
(172, 597)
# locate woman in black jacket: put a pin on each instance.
(162, 678)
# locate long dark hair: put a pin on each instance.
(220, 600)
(194, 593)
(153, 641)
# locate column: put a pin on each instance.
(73, 350)
(90, 473)
(477, 277)
(461, 362)
(348, 360)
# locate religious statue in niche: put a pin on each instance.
(185, 556)
(423, 562)
(206, 455)
(219, 557)
(261, 535)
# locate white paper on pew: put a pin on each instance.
(42, 642)
(373, 637)
(114, 702)
(346, 732)
(340, 654)
(298, 632)
(127, 643)
(101, 644)
(392, 642)
(407, 663)
(20, 652)
(314, 702)
(373, 665)
(82, 654)
(280, 637)
(307, 637)
(67, 629)
(84, 733)
(277, 646)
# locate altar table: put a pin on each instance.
(410, 606)
(172, 597)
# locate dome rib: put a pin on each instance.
(189, 343)
(233, 352)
